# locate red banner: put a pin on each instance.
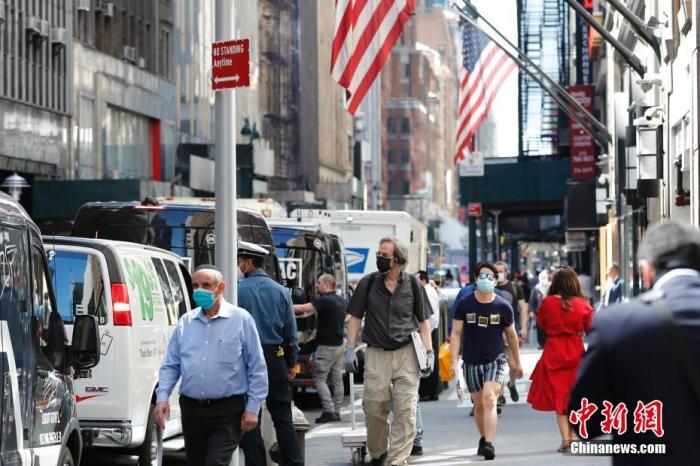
(581, 143)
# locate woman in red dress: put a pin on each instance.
(563, 315)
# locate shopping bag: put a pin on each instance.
(461, 388)
(445, 362)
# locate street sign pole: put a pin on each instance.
(225, 167)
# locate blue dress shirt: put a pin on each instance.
(270, 304)
(217, 358)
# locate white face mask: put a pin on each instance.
(501, 277)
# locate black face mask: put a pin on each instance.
(383, 265)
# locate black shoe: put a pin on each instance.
(327, 417)
(487, 451)
(417, 451)
(471, 413)
(482, 441)
(499, 411)
(337, 416)
(379, 461)
(501, 400)
(513, 393)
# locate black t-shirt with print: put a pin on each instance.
(482, 337)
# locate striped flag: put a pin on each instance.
(485, 67)
(365, 32)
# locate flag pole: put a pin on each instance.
(471, 9)
(603, 139)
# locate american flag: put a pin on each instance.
(485, 69)
(365, 31)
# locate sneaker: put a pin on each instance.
(482, 441)
(487, 451)
(417, 451)
(501, 400)
(499, 411)
(327, 417)
(513, 393)
(379, 461)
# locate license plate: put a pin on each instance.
(297, 368)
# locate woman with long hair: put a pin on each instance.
(563, 315)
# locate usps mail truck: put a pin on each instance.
(361, 231)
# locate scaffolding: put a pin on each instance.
(544, 37)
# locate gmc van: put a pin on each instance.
(38, 422)
(137, 294)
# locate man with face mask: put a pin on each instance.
(479, 324)
(394, 305)
(645, 353)
(216, 350)
(536, 297)
(270, 304)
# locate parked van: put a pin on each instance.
(38, 422)
(137, 293)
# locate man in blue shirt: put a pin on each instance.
(270, 304)
(216, 350)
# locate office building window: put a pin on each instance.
(85, 143)
(405, 126)
(391, 156)
(405, 157)
(126, 145)
(391, 125)
(164, 48)
(405, 67)
(167, 150)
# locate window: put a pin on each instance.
(85, 144)
(405, 67)
(176, 286)
(170, 305)
(127, 139)
(164, 48)
(79, 284)
(405, 157)
(391, 156)
(405, 126)
(405, 187)
(391, 125)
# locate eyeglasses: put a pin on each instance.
(487, 276)
(379, 254)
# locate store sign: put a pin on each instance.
(475, 209)
(575, 241)
(230, 61)
(581, 143)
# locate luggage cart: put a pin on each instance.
(356, 439)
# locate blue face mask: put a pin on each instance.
(485, 285)
(203, 298)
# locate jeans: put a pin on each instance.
(418, 439)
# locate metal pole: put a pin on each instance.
(497, 231)
(225, 168)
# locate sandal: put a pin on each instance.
(564, 448)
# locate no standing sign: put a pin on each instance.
(230, 62)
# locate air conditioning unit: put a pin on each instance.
(31, 25)
(59, 36)
(142, 62)
(83, 5)
(44, 28)
(108, 9)
(130, 54)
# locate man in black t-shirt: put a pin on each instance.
(479, 322)
(328, 362)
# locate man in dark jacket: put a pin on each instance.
(642, 369)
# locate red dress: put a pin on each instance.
(555, 372)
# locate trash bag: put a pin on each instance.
(445, 362)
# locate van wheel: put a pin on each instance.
(66, 458)
(151, 451)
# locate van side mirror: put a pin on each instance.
(86, 342)
(298, 295)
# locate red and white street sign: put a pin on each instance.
(474, 209)
(230, 61)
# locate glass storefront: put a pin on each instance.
(126, 149)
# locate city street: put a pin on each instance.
(525, 436)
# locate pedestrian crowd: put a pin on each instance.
(640, 355)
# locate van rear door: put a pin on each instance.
(81, 281)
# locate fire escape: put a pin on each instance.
(544, 37)
(279, 86)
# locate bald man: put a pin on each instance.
(216, 350)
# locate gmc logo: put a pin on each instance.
(97, 389)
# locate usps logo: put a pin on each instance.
(356, 259)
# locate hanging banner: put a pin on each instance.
(581, 143)
(472, 165)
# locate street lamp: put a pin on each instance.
(14, 185)
(249, 131)
(649, 152)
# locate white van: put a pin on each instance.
(137, 293)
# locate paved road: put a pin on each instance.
(525, 437)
